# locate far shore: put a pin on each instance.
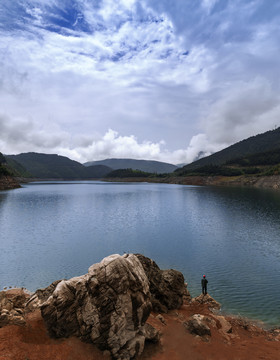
(253, 181)
(265, 182)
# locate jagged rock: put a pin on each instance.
(40, 296)
(12, 307)
(196, 325)
(167, 287)
(207, 300)
(108, 306)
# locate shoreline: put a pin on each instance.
(251, 181)
(8, 183)
(264, 182)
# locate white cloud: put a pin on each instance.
(19, 135)
(246, 110)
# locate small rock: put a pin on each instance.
(151, 334)
(224, 324)
(161, 319)
(196, 326)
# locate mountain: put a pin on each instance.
(51, 166)
(268, 141)
(142, 165)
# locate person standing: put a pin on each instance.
(204, 283)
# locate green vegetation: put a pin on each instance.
(16, 169)
(260, 159)
(2, 158)
(4, 170)
(211, 170)
(129, 173)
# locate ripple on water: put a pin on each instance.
(54, 231)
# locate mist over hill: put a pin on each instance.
(265, 142)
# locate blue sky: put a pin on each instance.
(162, 80)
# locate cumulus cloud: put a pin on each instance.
(21, 135)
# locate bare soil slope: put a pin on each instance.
(244, 340)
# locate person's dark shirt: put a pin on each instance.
(204, 282)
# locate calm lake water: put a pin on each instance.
(55, 230)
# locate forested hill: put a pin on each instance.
(7, 181)
(3, 168)
(149, 166)
(51, 166)
(268, 141)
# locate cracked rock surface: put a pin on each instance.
(108, 306)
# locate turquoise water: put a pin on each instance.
(56, 230)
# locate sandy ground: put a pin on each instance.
(31, 342)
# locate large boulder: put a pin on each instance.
(108, 306)
(167, 287)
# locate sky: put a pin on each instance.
(166, 80)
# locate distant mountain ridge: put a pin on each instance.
(150, 166)
(52, 166)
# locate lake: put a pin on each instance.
(55, 230)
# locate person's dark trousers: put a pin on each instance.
(204, 290)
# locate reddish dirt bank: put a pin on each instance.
(244, 341)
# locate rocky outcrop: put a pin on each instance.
(12, 307)
(8, 183)
(40, 296)
(167, 287)
(108, 306)
(206, 300)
